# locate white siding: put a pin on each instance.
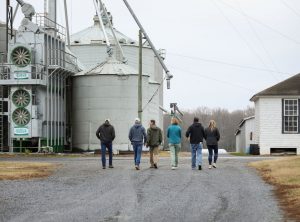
(243, 138)
(238, 143)
(269, 126)
(257, 122)
(249, 128)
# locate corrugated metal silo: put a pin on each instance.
(90, 47)
(109, 90)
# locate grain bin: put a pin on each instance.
(109, 90)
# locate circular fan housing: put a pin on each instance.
(21, 56)
(21, 116)
(21, 98)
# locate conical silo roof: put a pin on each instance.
(111, 66)
(94, 35)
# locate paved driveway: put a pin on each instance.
(81, 191)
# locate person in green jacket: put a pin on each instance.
(174, 138)
(154, 139)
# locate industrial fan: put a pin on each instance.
(21, 116)
(21, 56)
(21, 98)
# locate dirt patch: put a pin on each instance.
(25, 170)
(284, 174)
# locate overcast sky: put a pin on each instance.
(221, 52)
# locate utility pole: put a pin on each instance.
(175, 111)
(140, 84)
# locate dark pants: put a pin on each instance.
(103, 153)
(212, 149)
(137, 148)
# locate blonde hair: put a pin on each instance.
(212, 124)
(174, 121)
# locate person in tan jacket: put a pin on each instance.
(154, 140)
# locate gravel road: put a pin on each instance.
(81, 191)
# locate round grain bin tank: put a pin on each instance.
(89, 46)
(109, 90)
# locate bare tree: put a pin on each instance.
(227, 122)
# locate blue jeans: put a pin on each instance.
(103, 153)
(137, 148)
(196, 154)
(211, 149)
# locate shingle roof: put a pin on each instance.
(288, 87)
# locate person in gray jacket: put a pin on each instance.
(212, 136)
(138, 138)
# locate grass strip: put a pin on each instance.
(284, 175)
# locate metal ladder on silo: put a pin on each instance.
(1, 119)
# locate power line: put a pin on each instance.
(214, 79)
(289, 7)
(260, 40)
(226, 63)
(261, 23)
(241, 36)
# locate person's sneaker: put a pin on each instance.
(214, 165)
(104, 168)
(137, 167)
(173, 168)
(193, 168)
(155, 166)
(151, 166)
(111, 166)
(199, 167)
(209, 167)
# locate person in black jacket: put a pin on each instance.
(212, 136)
(196, 134)
(106, 134)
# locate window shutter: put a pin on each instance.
(298, 115)
(282, 117)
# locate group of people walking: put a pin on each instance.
(153, 139)
(196, 135)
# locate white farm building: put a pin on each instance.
(245, 135)
(277, 118)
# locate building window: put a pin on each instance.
(251, 136)
(291, 115)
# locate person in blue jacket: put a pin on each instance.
(174, 138)
(138, 138)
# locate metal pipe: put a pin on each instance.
(124, 60)
(108, 45)
(15, 12)
(55, 110)
(64, 110)
(140, 87)
(52, 15)
(58, 112)
(21, 2)
(67, 23)
(169, 76)
(51, 110)
(47, 113)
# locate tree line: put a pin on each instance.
(227, 122)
